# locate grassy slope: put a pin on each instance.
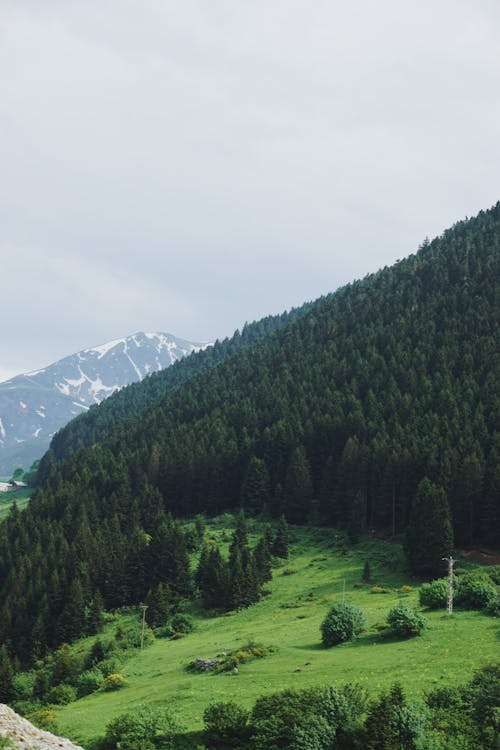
(449, 650)
(20, 497)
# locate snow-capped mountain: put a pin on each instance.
(35, 405)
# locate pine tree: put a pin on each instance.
(256, 486)
(72, 622)
(298, 487)
(159, 603)
(95, 617)
(280, 544)
(262, 556)
(430, 535)
(6, 676)
(212, 578)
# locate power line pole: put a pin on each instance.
(144, 608)
(449, 598)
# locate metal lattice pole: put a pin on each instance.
(449, 598)
(144, 608)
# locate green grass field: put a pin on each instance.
(289, 619)
(20, 497)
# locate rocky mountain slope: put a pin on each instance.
(26, 736)
(35, 405)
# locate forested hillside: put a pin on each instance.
(132, 401)
(338, 416)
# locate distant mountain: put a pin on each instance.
(35, 405)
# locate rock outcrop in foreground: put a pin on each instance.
(25, 736)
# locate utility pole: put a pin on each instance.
(144, 608)
(449, 598)
(343, 591)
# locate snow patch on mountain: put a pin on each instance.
(35, 405)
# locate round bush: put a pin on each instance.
(62, 695)
(114, 682)
(90, 681)
(341, 624)
(226, 724)
(475, 593)
(143, 728)
(433, 595)
(405, 621)
(181, 623)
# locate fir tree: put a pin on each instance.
(280, 544)
(298, 487)
(6, 676)
(430, 535)
(255, 489)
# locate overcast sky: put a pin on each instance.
(186, 166)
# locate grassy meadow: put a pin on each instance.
(21, 497)
(320, 571)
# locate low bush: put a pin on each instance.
(379, 590)
(405, 622)
(342, 623)
(44, 718)
(181, 623)
(145, 728)
(110, 665)
(23, 684)
(114, 682)
(475, 592)
(226, 724)
(62, 695)
(433, 595)
(89, 681)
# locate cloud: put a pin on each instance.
(190, 165)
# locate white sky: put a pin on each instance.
(186, 166)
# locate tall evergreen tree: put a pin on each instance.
(256, 486)
(280, 543)
(430, 535)
(298, 487)
(6, 676)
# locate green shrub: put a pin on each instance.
(114, 682)
(62, 695)
(433, 595)
(129, 635)
(493, 607)
(44, 718)
(110, 666)
(341, 624)
(405, 621)
(289, 571)
(166, 631)
(5, 743)
(475, 592)
(379, 590)
(90, 681)
(181, 623)
(23, 685)
(145, 728)
(226, 724)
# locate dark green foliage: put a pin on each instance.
(6, 676)
(212, 578)
(298, 487)
(433, 594)
(89, 681)
(367, 572)
(262, 557)
(62, 695)
(341, 624)
(280, 543)
(385, 382)
(430, 535)
(256, 486)
(146, 728)
(159, 601)
(475, 592)
(405, 622)
(226, 724)
(181, 623)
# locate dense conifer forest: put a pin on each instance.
(381, 394)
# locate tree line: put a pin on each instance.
(357, 413)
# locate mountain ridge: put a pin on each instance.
(34, 405)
